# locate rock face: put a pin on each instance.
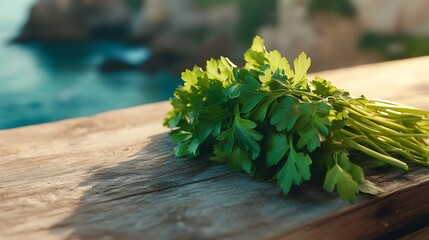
(193, 32)
(330, 40)
(76, 20)
(180, 28)
(294, 31)
(394, 16)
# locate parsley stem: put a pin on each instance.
(399, 108)
(404, 142)
(299, 93)
(387, 159)
(408, 153)
(399, 146)
(409, 141)
(309, 94)
(364, 137)
(380, 120)
(377, 129)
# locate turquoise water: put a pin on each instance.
(43, 82)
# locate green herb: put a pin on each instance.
(273, 123)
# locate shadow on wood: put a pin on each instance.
(157, 196)
(124, 201)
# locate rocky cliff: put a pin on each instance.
(77, 20)
(181, 33)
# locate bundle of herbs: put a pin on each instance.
(273, 123)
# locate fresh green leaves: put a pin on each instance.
(286, 114)
(237, 159)
(314, 125)
(322, 87)
(309, 120)
(188, 143)
(211, 120)
(347, 178)
(268, 120)
(242, 134)
(294, 171)
(337, 178)
(277, 145)
(302, 64)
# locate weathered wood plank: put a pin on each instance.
(422, 234)
(114, 175)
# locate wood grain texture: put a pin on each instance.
(114, 176)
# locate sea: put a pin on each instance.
(44, 82)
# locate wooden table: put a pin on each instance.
(114, 176)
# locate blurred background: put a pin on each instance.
(69, 58)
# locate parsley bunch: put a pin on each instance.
(273, 123)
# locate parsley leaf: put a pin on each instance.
(286, 114)
(337, 178)
(277, 145)
(237, 159)
(294, 171)
(314, 124)
(301, 64)
(210, 122)
(242, 133)
(254, 57)
(188, 143)
(322, 87)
